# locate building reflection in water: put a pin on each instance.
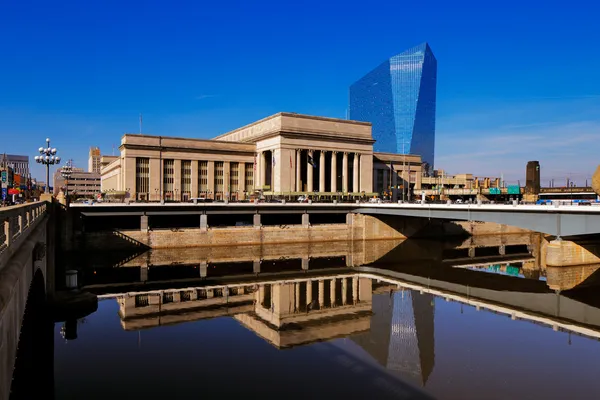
(387, 309)
(401, 335)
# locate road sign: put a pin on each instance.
(4, 193)
(3, 176)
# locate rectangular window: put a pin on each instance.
(142, 177)
(186, 180)
(168, 178)
(249, 177)
(202, 178)
(233, 176)
(219, 171)
(380, 187)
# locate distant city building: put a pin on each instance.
(94, 160)
(19, 164)
(79, 184)
(399, 99)
(532, 178)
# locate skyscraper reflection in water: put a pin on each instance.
(401, 337)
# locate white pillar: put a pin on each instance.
(344, 290)
(334, 171)
(309, 174)
(297, 297)
(263, 169)
(355, 290)
(355, 185)
(321, 293)
(332, 292)
(322, 172)
(345, 173)
(308, 292)
(298, 171)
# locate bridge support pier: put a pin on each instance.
(256, 266)
(305, 261)
(144, 273)
(502, 250)
(257, 223)
(203, 269)
(305, 220)
(203, 222)
(144, 223)
(472, 252)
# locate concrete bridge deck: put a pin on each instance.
(553, 220)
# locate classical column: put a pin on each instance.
(308, 292)
(345, 173)
(394, 184)
(194, 178)
(344, 290)
(332, 292)
(355, 289)
(334, 171)
(210, 179)
(355, 186)
(297, 297)
(309, 173)
(241, 180)
(322, 172)
(321, 293)
(298, 171)
(263, 169)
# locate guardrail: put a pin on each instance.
(15, 223)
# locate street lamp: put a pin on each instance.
(66, 172)
(47, 157)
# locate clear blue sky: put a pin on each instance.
(517, 81)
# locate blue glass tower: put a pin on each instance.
(398, 98)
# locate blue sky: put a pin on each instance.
(517, 81)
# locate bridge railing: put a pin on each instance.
(15, 224)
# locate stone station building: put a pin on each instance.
(285, 154)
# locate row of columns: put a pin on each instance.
(334, 174)
(360, 292)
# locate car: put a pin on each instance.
(302, 199)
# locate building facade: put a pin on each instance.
(284, 154)
(80, 183)
(399, 99)
(94, 160)
(18, 163)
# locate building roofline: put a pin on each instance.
(296, 115)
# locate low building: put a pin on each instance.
(79, 184)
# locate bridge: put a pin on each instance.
(26, 276)
(557, 220)
(552, 220)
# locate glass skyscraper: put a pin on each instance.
(398, 98)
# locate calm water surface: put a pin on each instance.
(383, 332)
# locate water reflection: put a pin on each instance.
(371, 319)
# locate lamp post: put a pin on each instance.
(47, 157)
(66, 172)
